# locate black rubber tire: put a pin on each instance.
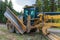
(10, 28)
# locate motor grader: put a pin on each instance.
(31, 20)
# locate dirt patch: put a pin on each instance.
(5, 34)
(2, 33)
(8, 36)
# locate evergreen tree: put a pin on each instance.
(6, 2)
(10, 5)
(42, 5)
(58, 7)
(38, 5)
(52, 6)
(46, 5)
(2, 10)
(3, 6)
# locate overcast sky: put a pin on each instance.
(19, 4)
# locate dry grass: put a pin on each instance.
(5, 35)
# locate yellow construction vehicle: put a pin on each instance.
(31, 20)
